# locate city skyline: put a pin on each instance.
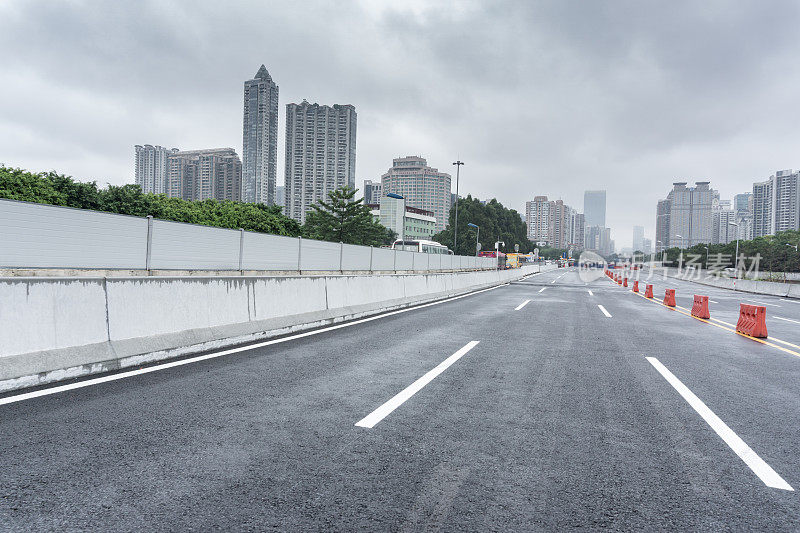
(733, 126)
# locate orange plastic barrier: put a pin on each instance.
(669, 297)
(700, 307)
(648, 291)
(625, 282)
(752, 320)
(636, 286)
(619, 280)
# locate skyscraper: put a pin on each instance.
(776, 203)
(320, 154)
(537, 217)
(422, 186)
(204, 174)
(662, 224)
(151, 168)
(690, 219)
(558, 235)
(594, 208)
(260, 139)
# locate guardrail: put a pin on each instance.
(34, 236)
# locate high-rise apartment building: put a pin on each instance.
(776, 204)
(647, 246)
(537, 218)
(723, 229)
(422, 187)
(594, 208)
(638, 238)
(151, 168)
(260, 139)
(204, 174)
(577, 230)
(559, 235)
(280, 196)
(598, 239)
(690, 216)
(372, 192)
(320, 154)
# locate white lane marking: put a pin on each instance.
(712, 302)
(745, 453)
(590, 293)
(603, 309)
(554, 280)
(523, 304)
(790, 301)
(163, 366)
(400, 398)
(787, 319)
(763, 303)
(542, 289)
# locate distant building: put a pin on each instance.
(422, 187)
(559, 235)
(598, 239)
(260, 139)
(320, 154)
(594, 208)
(723, 230)
(372, 192)
(743, 205)
(410, 223)
(577, 230)
(776, 204)
(280, 196)
(638, 238)
(537, 217)
(662, 225)
(204, 174)
(647, 246)
(151, 168)
(690, 215)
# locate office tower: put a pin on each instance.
(743, 204)
(690, 215)
(260, 139)
(662, 225)
(422, 186)
(204, 174)
(594, 208)
(638, 238)
(372, 192)
(320, 154)
(151, 168)
(537, 217)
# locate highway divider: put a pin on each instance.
(752, 320)
(700, 307)
(59, 328)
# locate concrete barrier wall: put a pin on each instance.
(56, 328)
(770, 288)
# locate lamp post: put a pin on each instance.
(736, 259)
(663, 251)
(795, 246)
(458, 164)
(471, 225)
(706, 247)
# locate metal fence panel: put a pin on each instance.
(319, 255)
(355, 257)
(382, 259)
(45, 236)
(405, 260)
(178, 246)
(269, 252)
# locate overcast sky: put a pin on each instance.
(536, 97)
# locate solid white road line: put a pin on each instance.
(603, 309)
(591, 293)
(790, 301)
(763, 303)
(163, 366)
(542, 289)
(520, 306)
(400, 398)
(745, 453)
(787, 319)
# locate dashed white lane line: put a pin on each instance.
(712, 302)
(745, 453)
(591, 293)
(763, 303)
(523, 304)
(787, 319)
(790, 301)
(554, 280)
(603, 309)
(542, 289)
(401, 397)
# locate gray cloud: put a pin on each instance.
(537, 97)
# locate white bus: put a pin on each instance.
(425, 247)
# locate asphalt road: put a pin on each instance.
(558, 417)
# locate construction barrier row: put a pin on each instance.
(700, 307)
(752, 320)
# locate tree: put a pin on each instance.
(343, 218)
(497, 223)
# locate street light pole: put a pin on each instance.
(736, 259)
(458, 164)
